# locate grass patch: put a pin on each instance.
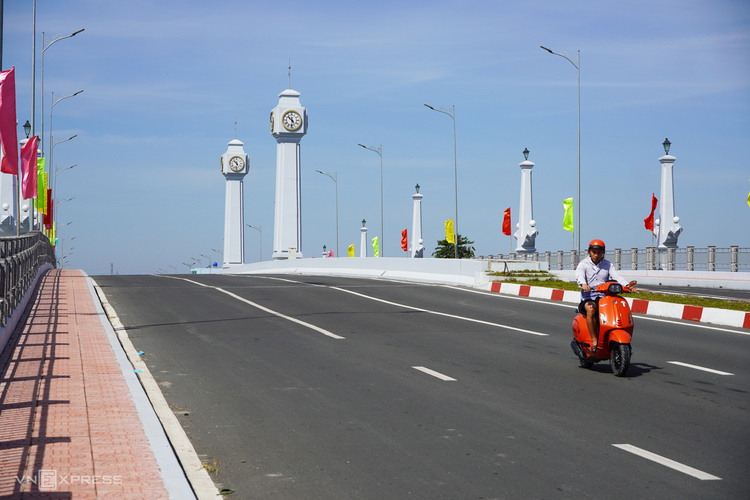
(675, 299)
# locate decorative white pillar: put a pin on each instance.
(288, 126)
(669, 228)
(363, 240)
(234, 167)
(526, 233)
(417, 250)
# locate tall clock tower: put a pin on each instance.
(234, 166)
(288, 126)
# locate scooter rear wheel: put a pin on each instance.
(620, 359)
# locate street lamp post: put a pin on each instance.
(62, 243)
(577, 201)
(54, 103)
(379, 151)
(334, 177)
(42, 78)
(452, 114)
(260, 244)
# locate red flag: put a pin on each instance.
(649, 221)
(506, 222)
(8, 135)
(51, 208)
(404, 241)
(29, 168)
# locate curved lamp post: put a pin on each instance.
(334, 177)
(379, 151)
(452, 113)
(42, 77)
(577, 201)
(260, 245)
(50, 123)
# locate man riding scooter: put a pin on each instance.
(595, 270)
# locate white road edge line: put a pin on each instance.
(202, 484)
(270, 311)
(434, 373)
(696, 367)
(703, 476)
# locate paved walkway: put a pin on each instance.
(69, 427)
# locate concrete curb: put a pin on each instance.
(724, 317)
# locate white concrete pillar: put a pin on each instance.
(526, 233)
(417, 249)
(363, 242)
(669, 225)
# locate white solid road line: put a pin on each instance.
(699, 368)
(703, 476)
(464, 318)
(434, 373)
(270, 311)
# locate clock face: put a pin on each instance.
(291, 120)
(271, 121)
(236, 163)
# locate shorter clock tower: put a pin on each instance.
(234, 166)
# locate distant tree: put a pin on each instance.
(445, 250)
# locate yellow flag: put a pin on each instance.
(350, 250)
(748, 199)
(375, 247)
(449, 231)
(568, 217)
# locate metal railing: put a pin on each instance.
(20, 259)
(733, 259)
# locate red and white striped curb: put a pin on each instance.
(712, 315)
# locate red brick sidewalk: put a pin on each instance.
(68, 424)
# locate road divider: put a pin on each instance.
(726, 317)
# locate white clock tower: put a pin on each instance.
(234, 166)
(288, 125)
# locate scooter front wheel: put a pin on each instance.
(620, 359)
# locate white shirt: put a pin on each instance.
(594, 275)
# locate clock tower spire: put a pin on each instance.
(288, 126)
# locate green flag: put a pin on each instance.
(568, 218)
(41, 187)
(375, 247)
(449, 232)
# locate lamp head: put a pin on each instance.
(27, 128)
(666, 145)
(363, 222)
(417, 187)
(526, 153)
(324, 248)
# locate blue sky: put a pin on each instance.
(164, 81)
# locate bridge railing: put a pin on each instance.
(20, 260)
(733, 259)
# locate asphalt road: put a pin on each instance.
(306, 388)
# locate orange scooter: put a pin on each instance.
(615, 331)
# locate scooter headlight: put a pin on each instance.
(615, 288)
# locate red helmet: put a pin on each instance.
(597, 244)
